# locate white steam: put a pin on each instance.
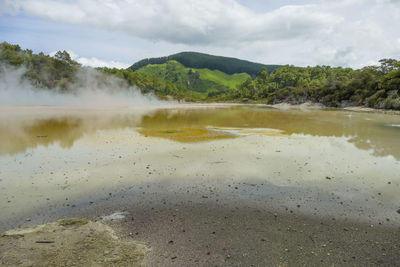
(91, 88)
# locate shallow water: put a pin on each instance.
(369, 131)
(51, 158)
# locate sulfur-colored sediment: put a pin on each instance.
(70, 242)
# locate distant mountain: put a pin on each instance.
(196, 60)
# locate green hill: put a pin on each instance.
(196, 60)
(198, 80)
(372, 86)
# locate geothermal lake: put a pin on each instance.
(60, 162)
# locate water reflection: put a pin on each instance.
(367, 131)
(27, 132)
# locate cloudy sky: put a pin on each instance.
(117, 33)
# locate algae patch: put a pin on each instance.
(209, 133)
(70, 242)
(185, 134)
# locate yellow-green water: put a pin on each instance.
(52, 157)
(369, 131)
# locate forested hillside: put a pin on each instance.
(373, 86)
(42, 70)
(63, 74)
(203, 61)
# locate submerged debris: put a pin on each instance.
(115, 216)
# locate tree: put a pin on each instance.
(387, 65)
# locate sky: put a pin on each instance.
(349, 33)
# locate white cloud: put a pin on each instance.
(342, 32)
(95, 62)
(184, 21)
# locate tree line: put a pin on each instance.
(372, 86)
(61, 72)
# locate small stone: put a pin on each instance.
(228, 256)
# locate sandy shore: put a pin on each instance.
(309, 105)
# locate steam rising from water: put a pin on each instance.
(92, 89)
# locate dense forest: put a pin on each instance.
(196, 60)
(373, 86)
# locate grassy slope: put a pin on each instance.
(154, 70)
(222, 78)
(207, 79)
